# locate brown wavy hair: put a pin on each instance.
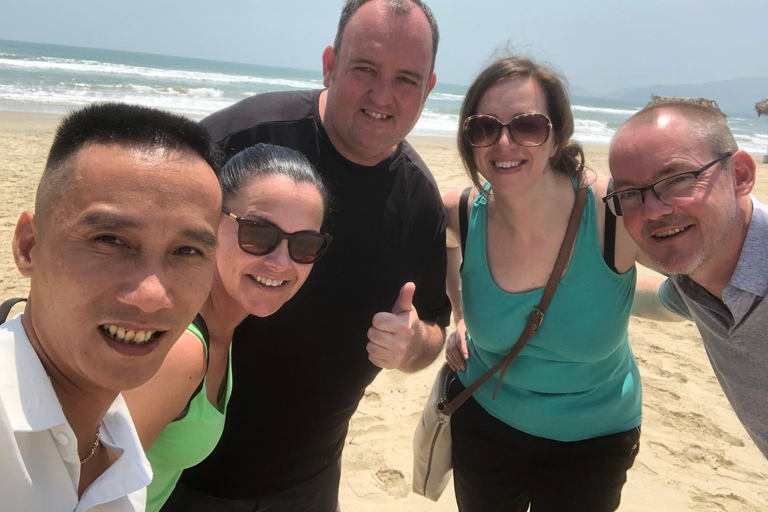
(569, 156)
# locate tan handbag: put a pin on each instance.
(432, 440)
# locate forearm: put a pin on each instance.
(426, 345)
(647, 304)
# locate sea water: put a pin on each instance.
(54, 79)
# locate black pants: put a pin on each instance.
(499, 468)
(318, 494)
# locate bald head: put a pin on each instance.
(705, 125)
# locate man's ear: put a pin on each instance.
(24, 239)
(432, 82)
(744, 172)
(329, 60)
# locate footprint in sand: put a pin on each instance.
(391, 481)
(373, 399)
(721, 501)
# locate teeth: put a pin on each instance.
(129, 337)
(267, 281)
(508, 164)
(374, 114)
(669, 233)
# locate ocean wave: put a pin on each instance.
(436, 124)
(199, 92)
(604, 110)
(197, 106)
(589, 131)
(91, 67)
(756, 143)
(444, 96)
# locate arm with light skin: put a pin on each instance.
(646, 303)
(160, 400)
(399, 340)
(456, 352)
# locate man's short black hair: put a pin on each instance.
(401, 7)
(131, 126)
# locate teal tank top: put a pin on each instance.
(577, 378)
(188, 441)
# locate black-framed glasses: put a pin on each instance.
(529, 130)
(679, 186)
(259, 237)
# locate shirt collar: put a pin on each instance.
(752, 267)
(25, 387)
(131, 471)
(31, 405)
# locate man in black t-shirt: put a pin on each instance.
(376, 300)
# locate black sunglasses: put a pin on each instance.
(529, 130)
(260, 238)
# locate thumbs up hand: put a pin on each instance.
(391, 334)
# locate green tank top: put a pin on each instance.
(577, 378)
(187, 441)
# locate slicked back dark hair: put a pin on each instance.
(395, 6)
(131, 126)
(262, 160)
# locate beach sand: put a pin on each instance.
(694, 453)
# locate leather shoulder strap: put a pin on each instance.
(6, 306)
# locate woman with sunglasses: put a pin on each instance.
(564, 428)
(269, 237)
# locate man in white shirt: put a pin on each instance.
(120, 254)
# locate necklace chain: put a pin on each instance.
(93, 448)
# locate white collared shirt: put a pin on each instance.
(39, 463)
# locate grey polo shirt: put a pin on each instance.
(735, 332)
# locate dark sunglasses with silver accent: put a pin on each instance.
(260, 237)
(678, 186)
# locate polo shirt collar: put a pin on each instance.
(27, 392)
(752, 267)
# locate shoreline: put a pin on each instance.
(14, 120)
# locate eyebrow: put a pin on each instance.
(108, 220)
(669, 170)
(414, 74)
(203, 236)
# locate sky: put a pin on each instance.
(599, 45)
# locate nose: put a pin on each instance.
(653, 207)
(381, 91)
(148, 292)
(505, 139)
(279, 259)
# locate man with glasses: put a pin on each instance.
(683, 187)
(300, 373)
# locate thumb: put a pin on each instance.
(405, 299)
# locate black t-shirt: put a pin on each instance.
(300, 373)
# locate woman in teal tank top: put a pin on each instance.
(564, 428)
(274, 204)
